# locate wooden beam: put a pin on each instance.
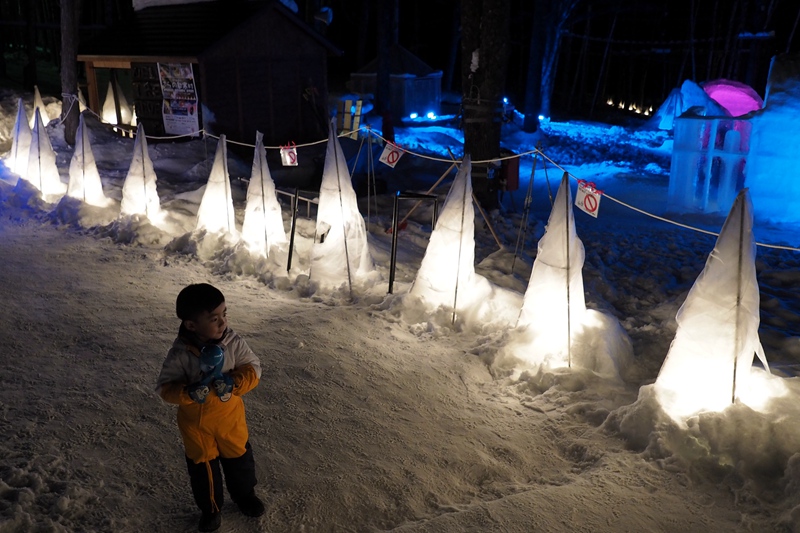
(101, 61)
(91, 82)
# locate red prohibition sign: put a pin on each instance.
(293, 158)
(590, 203)
(392, 157)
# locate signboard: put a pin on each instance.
(179, 104)
(588, 198)
(147, 97)
(289, 155)
(391, 154)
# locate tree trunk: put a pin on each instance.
(455, 38)
(387, 22)
(70, 110)
(484, 53)
(29, 78)
(549, 18)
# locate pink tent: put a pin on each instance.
(737, 98)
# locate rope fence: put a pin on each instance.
(536, 152)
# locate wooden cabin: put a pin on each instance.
(251, 65)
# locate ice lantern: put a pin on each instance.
(84, 179)
(216, 213)
(447, 271)
(21, 145)
(340, 253)
(262, 228)
(554, 305)
(109, 109)
(709, 363)
(139, 193)
(42, 171)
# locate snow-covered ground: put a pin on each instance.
(376, 413)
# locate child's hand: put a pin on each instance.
(224, 387)
(198, 392)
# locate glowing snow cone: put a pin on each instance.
(42, 170)
(110, 112)
(21, 145)
(216, 208)
(263, 224)
(84, 180)
(709, 362)
(447, 271)
(139, 194)
(81, 101)
(38, 103)
(554, 306)
(340, 253)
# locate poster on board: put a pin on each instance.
(179, 107)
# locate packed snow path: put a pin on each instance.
(359, 423)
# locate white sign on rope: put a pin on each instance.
(588, 198)
(289, 155)
(391, 154)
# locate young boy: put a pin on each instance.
(206, 372)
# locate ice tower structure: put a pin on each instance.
(84, 179)
(340, 254)
(139, 193)
(262, 228)
(216, 214)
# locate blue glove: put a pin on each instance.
(198, 392)
(224, 387)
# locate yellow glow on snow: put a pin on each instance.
(699, 394)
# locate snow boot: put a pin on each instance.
(210, 522)
(251, 506)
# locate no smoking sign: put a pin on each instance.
(391, 154)
(289, 155)
(588, 198)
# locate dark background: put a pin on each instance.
(654, 45)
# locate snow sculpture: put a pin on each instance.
(216, 214)
(262, 228)
(736, 98)
(708, 365)
(446, 275)
(554, 306)
(340, 253)
(84, 179)
(21, 145)
(38, 103)
(139, 193)
(42, 171)
(109, 109)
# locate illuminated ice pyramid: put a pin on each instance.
(554, 305)
(42, 171)
(262, 228)
(710, 359)
(340, 254)
(139, 194)
(38, 103)
(21, 144)
(109, 110)
(84, 179)
(216, 214)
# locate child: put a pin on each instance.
(206, 372)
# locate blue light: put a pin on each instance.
(412, 116)
(431, 115)
(505, 100)
(541, 117)
(352, 110)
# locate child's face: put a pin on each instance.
(208, 326)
